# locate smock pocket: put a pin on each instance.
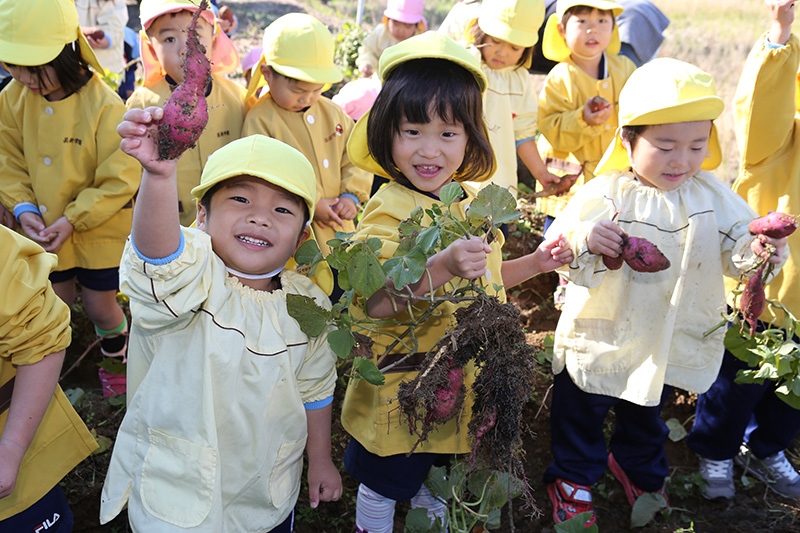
(284, 482)
(178, 479)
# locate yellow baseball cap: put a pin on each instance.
(428, 45)
(665, 91)
(555, 48)
(297, 46)
(34, 32)
(224, 57)
(514, 21)
(261, 157)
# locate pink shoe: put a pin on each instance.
(112, 384)
(569, 500)
(631, 491)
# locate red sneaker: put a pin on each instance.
(631, 491)
(570, 499)
(112, 384)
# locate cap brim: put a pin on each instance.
(358, 151)
(555, 48)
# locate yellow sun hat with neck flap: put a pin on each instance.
(300, 47)
(34, 32)
(428, 45)
(514, 21)
(555, 48)
(665, 91)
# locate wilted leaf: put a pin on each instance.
(364, 272)
(676, 430)
(74, 395)
(406, 269)
(494, 205)
(104, 443)
(438, 483)
(646, 507)
(450, 193)
(417, 521)
(311, 317)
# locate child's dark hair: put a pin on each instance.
(71, 70)
(414, 88)
(580, 10)
(631, 134)
(478, 37)
(205, 201)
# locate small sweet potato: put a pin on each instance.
(776, 225)
(186, 109)
(557, 189)
(753, 300)
(642, 255)
(449, 397)
(613, 263)
(96, 34)
(598, 103)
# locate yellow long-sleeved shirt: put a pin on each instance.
(34, 323)
(564, 132)
(226, 112)
(64, 158)
(768, 134)
(320, 133)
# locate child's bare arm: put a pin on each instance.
(33, 388)
(782, 13)
(548, 256)
(530, 156)
(465, 258)
(156, 224)
(324, 480)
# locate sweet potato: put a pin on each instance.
(96, 34)
(563, 186)
(186, 110)
(597, 103)
(613, 263)
(642, 255)
(776, 225)
(753, 300)
(449, 397)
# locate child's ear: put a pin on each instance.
(304, 235)
(201, 217)
(562, 31)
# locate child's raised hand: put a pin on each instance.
(761, 246)
(596, 115)
(345, 208)
(605, 238)
(782, 14)
(466, 258)
(325, 213)
(139, 132)
(366, 71)
(324, 483)
(550, 255)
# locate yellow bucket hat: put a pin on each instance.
(224, 58)
(514, 21)
(34, 32)
(555, 48)
(428, 45)
(665, 91)
(297, 46)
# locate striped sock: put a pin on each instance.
(436, 508)
(374, 513)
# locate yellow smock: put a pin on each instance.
(64, 158)
(226, 111)
(34, 323)
(320, 133)
(565, 134)
(371, 414)
(626, 334)
(767, 120)
(214, 434)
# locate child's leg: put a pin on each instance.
(109, 321)
(65, 290)
(374, 513)
(436, 507)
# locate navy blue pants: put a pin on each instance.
(730, 413)
(51, 514)
(579, 446)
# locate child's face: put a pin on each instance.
(168, 40)
(666, 155)
(400, 30)
(49, 87)
(289, 93)
(255, 227)
(429, 154)
(498, 54)
(588, 33)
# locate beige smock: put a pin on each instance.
(767, 128)
(371, 414)
(565, 134)
(320, 133)
(214, 434)
(626, 334)
(376, 41)
(111, 16)
(226, 112)
(457, 20)
(509, 106)
(34, 323)
(64, 158)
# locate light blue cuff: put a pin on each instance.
(110, 40)
(25, 207)
(771, 45)
(523, 141)
(319, 404)
(163, 260)
(351, 196)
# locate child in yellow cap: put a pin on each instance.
(35, 415)
(625, 336)
(582, 36)
(297, 65)
(227, 391)
(425, 130)
(62, 174)
(504, 35)
(163, 44)
(401, 20)
(767, 116)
